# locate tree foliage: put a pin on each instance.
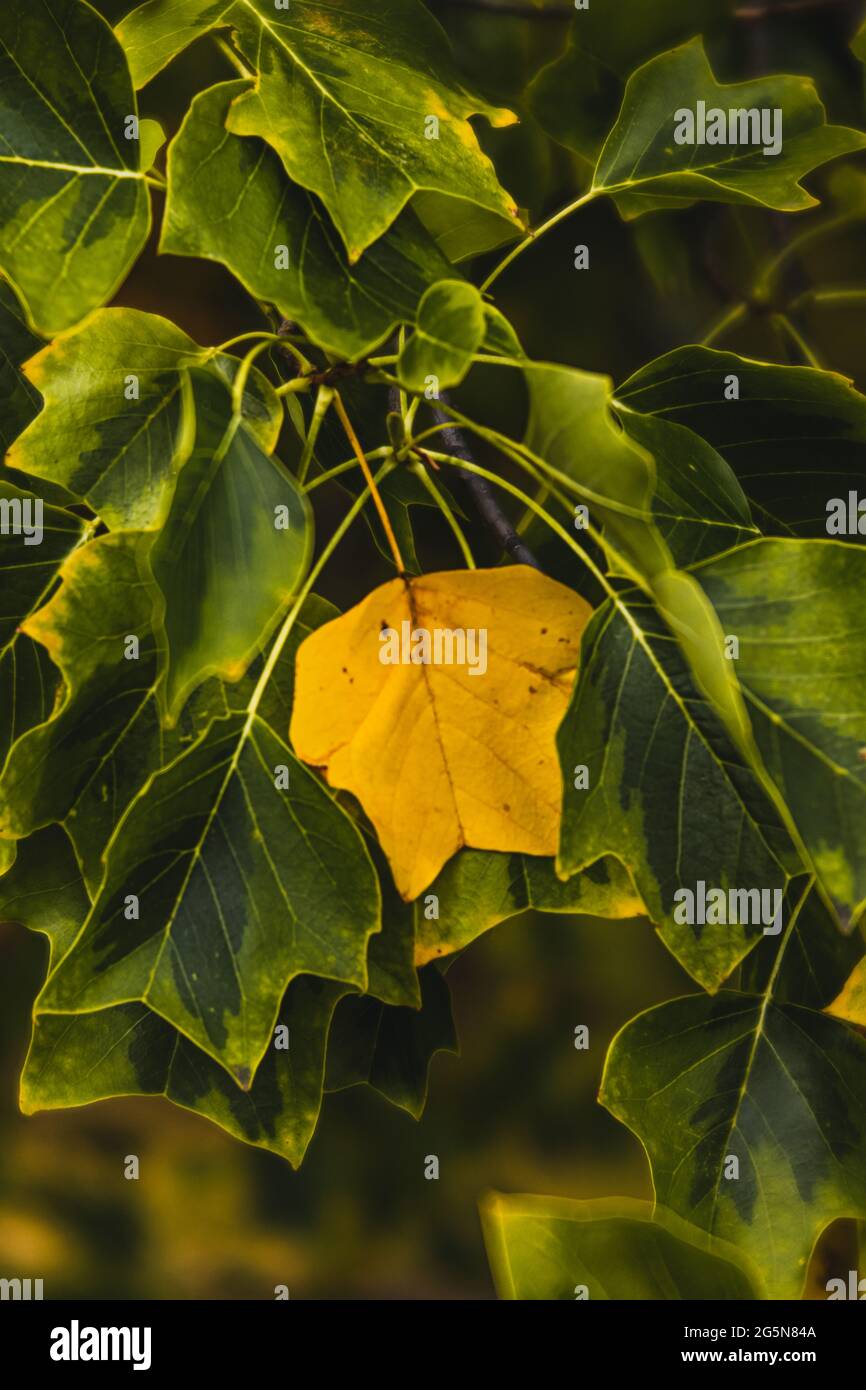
(252, 837)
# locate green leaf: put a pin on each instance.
(116, 422)
(478, 889)
(19, 400)
(238, 535)
(698, 504)
(572, 429)
(610, 1248)
(154, 33)
(152, 137)
(229, 200)
(644, 167)
(240, 886)
(576, 98)
(362, 153)
(461, 230)
(28, 572)
(667, 792)
(74, 207)
(449, 331)
(130, 1051)
(88, 754)
(795, 438)
(794, 607)
(44, 890)
(779, 1087)
(391, 1048)
(818, 957)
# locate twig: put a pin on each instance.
(365, 469)
(483, 495)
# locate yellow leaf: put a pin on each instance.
(850, 1003)
(445, 754)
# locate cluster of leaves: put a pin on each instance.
(254, 847)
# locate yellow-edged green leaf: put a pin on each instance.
(29, 567)
(238, 536)
(364, 108)
(793, 606)
(449, 330)
(576, 97)
(477, 890)
(229, 200)
(44, 890)
(553, 1248)
(89, 752)
(117, 421)
(241, 884)
(130, 1051)
(752, 1110)
(390, 1048)
(795, 437)
(662, 787)
(644, 166)
(74, 207)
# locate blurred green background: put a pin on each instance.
(210, 1218)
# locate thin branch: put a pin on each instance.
(483, 495)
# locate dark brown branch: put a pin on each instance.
(484, 496)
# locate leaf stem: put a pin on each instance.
(324, 396)
(539, 232)
(446, 510)
(339, 468)
(371, 482)
(234, 58)
(305, 590)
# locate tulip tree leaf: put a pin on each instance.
(363, 138)
(19, 400)
(795, 438)
(432, 752)
(576, 97)
(116, 422)
(644, 167)
(698, 504)
(665, 791)
(229, 200)
(130, 1051)
(88, 756)
(571, 429)
(448, 333)
(552, 1248)
(154, 33)
(391, 1048)
(74, 207)
(794, 608)
(29, 567)
(238, 535)
(477, 890)
(44, 890)
(775, 1086)
(818, 959)
(240, 885)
